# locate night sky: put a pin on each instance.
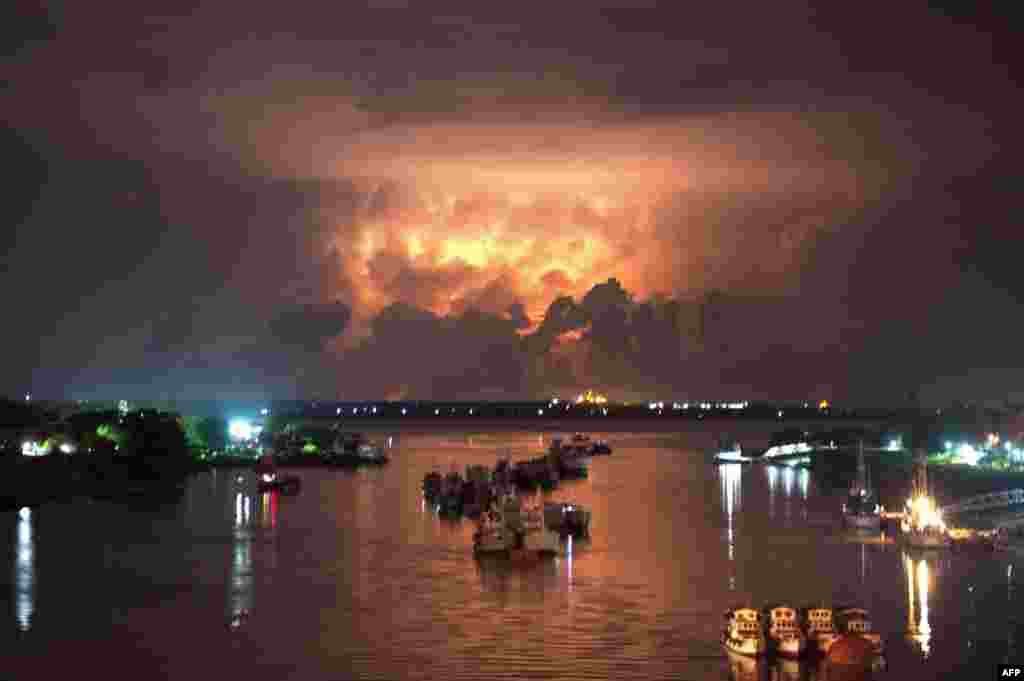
(428, 201)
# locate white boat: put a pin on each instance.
(857, 622)
(785, 637)
(820, 628)
(742, 632)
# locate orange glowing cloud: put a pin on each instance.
(455, 214)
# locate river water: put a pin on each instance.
(357, 578)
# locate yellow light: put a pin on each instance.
(823, 404)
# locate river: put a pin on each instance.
(357, 578)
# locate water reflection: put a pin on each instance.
(731, 475)
(1011, 625)
(919, 628)
(743, 668)
(251, 513)
(24, 571)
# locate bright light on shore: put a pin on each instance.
(240, 429)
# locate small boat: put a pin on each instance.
(536, 536)
(742, 632)
(601, 447)
(570, 465)
(819, 628)
(730, 451)
(493, 535)
(353, 449)
(861, 510)
(567, 519)
(784, 634)
(856, 622)
(268, 479)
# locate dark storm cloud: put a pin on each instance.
(312, 325)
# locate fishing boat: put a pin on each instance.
(742, 632)
(819, 628)
(567, 518)
(857, 622)
(861, 510)
(492, 535)
(784, 634)
(536, 537)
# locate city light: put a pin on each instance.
(32, 448)
(967, 454)
(264, 411)
(591, 397)
(823, 404)
(895, 444)
(240, 429)
(67, 448)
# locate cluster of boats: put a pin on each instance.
(788, 632)
(472, 493)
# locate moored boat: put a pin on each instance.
(783, 631)
(567, 518)
(819, 628)
(536, 536)
(268, 479)
(861, 510)
(492, 535)
(854, 621)
(742, 632)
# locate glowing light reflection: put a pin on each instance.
(919, 586)
(730, 476)
(24, 571)
(240, 588)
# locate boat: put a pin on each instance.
(352, 449)
(731, 451)
(580, 444)
(819, 628)
(785, 637)
(268, 479)
(743, 667)
(567, 518)
(536, 537)
(861, 510)
(855, 621)
(570, 465)
(492, 535)
(922, 525)
(742, 632)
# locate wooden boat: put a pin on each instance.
(783, 631)
(743, 633)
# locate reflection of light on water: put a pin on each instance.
(788, 477)
(568, 560)
(24, 571)
(731, 476)
(241, 593)
(773, 481)
(805, 477)
(919, 585)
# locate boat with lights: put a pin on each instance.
(922, 524)
(819, 628)
(855, 621)
(784, 633)
(567, 518)
(861, 510)
(268, 479)
(743, 632)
